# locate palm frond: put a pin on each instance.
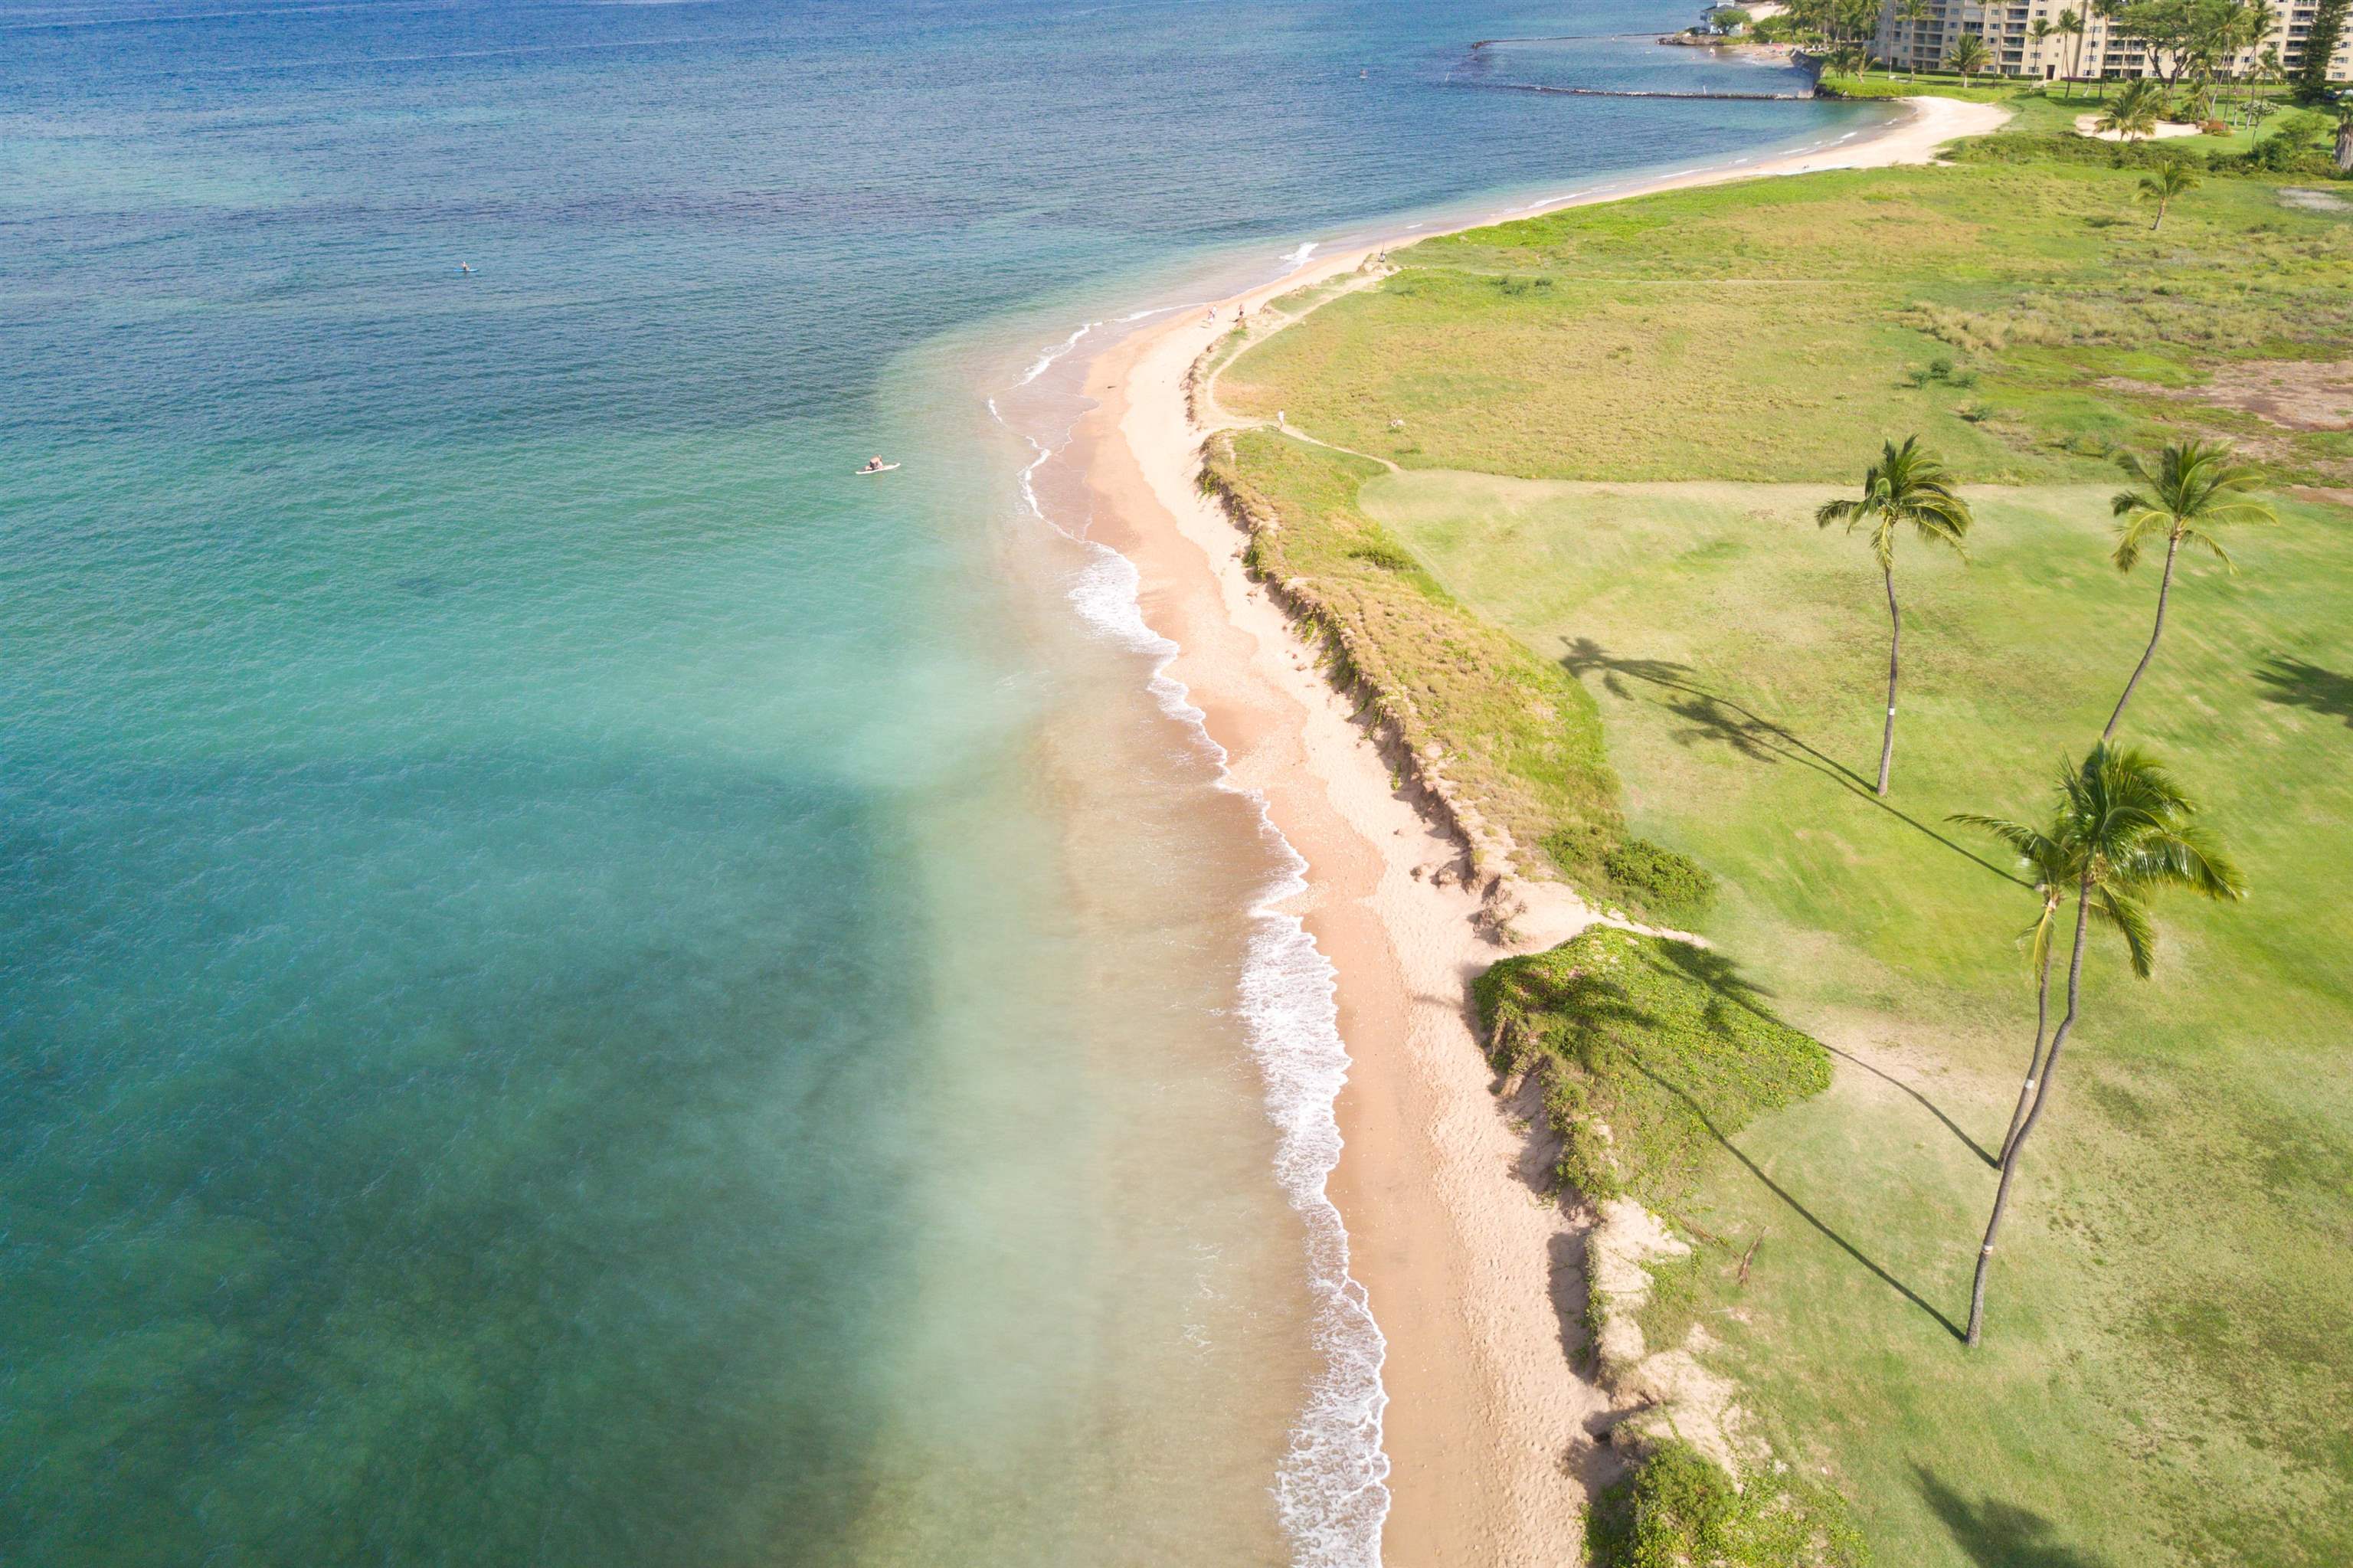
(2129, 918)
(2186, 857)
(2195, 487)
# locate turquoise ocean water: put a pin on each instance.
(578, 986)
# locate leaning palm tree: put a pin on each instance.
(2070, 25)
(2136, 112)
(2123, 825)
(2198, 487)
(1905, 485)
(1968, 56)
(2047, 856)
(2172, 179)
(2052, 855)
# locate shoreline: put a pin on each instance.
(1474, 1278)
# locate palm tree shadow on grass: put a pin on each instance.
(1723, 976)
(2296, 683)
(1709, 715)
(1724, 979)
(1998, 1534)
(1923, 1101)
(1790, 1199)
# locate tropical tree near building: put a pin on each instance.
(2244, 60)
(1906, 487)
(2343, 153)
(2319, 49)
(2197, 488)
(2123, 828)
(2266, 71)
(2136, 110)
(1968, 55)
(2172, 179)
(1913, 15)
(2193, 39)
(2070, 25)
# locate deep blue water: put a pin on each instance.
(532, 923)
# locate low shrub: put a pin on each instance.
(2067, 147)
(1383, 554)
(1659, 881)
(1682, 1509)
(2300, 144)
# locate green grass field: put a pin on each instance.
(1760, 331)
(1616, 422)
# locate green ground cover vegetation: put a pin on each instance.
(1649, 1053)
(1610, 429)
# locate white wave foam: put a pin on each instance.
(1294, 259)
(1332, 1487)
(1161, 311)
(1045, 357)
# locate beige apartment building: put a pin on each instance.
(2103, 51)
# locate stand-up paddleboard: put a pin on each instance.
(886, 468)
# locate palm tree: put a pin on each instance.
(2267, 69)
(2051, 856)
(2070, 25)
(1968, 56)
(1905, 485)
(2199, 486)
(2136, 110)
(2046, 854)
(1912, 14)
(2172, 178)
(2251, 24)
(2123, 826)
(2341, 154)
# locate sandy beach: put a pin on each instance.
(1473, 1272)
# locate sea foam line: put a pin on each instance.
(1331, 1489)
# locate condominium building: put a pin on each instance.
(2103, 50)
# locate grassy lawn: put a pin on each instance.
(1760, 331)
(1615, 423)
(1984, 88)
(2178, 1310)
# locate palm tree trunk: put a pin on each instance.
(1895, 652)
(2018, 1143)
(2034, 1062)
(2164, 587)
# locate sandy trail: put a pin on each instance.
(1474, 1274)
